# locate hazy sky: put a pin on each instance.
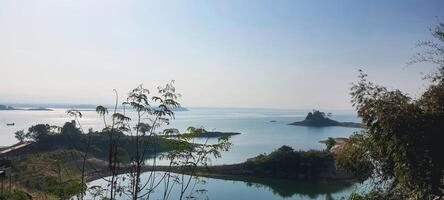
(278, 54)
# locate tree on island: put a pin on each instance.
(317, 115)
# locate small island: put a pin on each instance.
(215, 134)
(320, 119)
(39, 109)
(194, 132)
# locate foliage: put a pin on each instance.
(39, 131)
(14, 195)
(71, 138)
(317, 115)
(285, 162)
(63, 190)
(353, 157)
(373, 195)
(127, 143)
(317, 118)
(403, 135)
(330, 143)
(51, 172)
(20, 136)
(70, 128)
(142, 136)
(196, 131)
(187, 157)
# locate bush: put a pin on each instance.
(63, 190)
(14, 195)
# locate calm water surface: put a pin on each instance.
(252, 189)
(259, 135)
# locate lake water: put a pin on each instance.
(259, 135)
(257, 189)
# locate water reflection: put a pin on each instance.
(289, 188)
(251, 188)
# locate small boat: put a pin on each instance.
(273, 121)
(10, 124)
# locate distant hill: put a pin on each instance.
(4, 107)
(45, 107)
(85, 107)
(320, 119)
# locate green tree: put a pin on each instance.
(70, 128)
(403, 135)
(14, 195)
(330, 143)
(353, 157)
(20, 136)
(38, 131)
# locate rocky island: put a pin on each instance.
(320, 119)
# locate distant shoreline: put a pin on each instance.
(28, 109)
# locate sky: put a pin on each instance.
(299, 54)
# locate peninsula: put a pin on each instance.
(283, 163)
(320, 119)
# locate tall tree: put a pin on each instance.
(403, 135)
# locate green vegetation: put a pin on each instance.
(300, 165)
(350, 157)
(49, 138)
(20, 136)
(401, 145)
(330, 142)
(58, 161)
(50, 175)
(284, 164)
(320, 119)
(14, 195)
(202, 133)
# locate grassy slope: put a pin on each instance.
(29, 172)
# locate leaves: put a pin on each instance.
(74, 113)
(400, 140)
(121, 117)
(101, 110)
